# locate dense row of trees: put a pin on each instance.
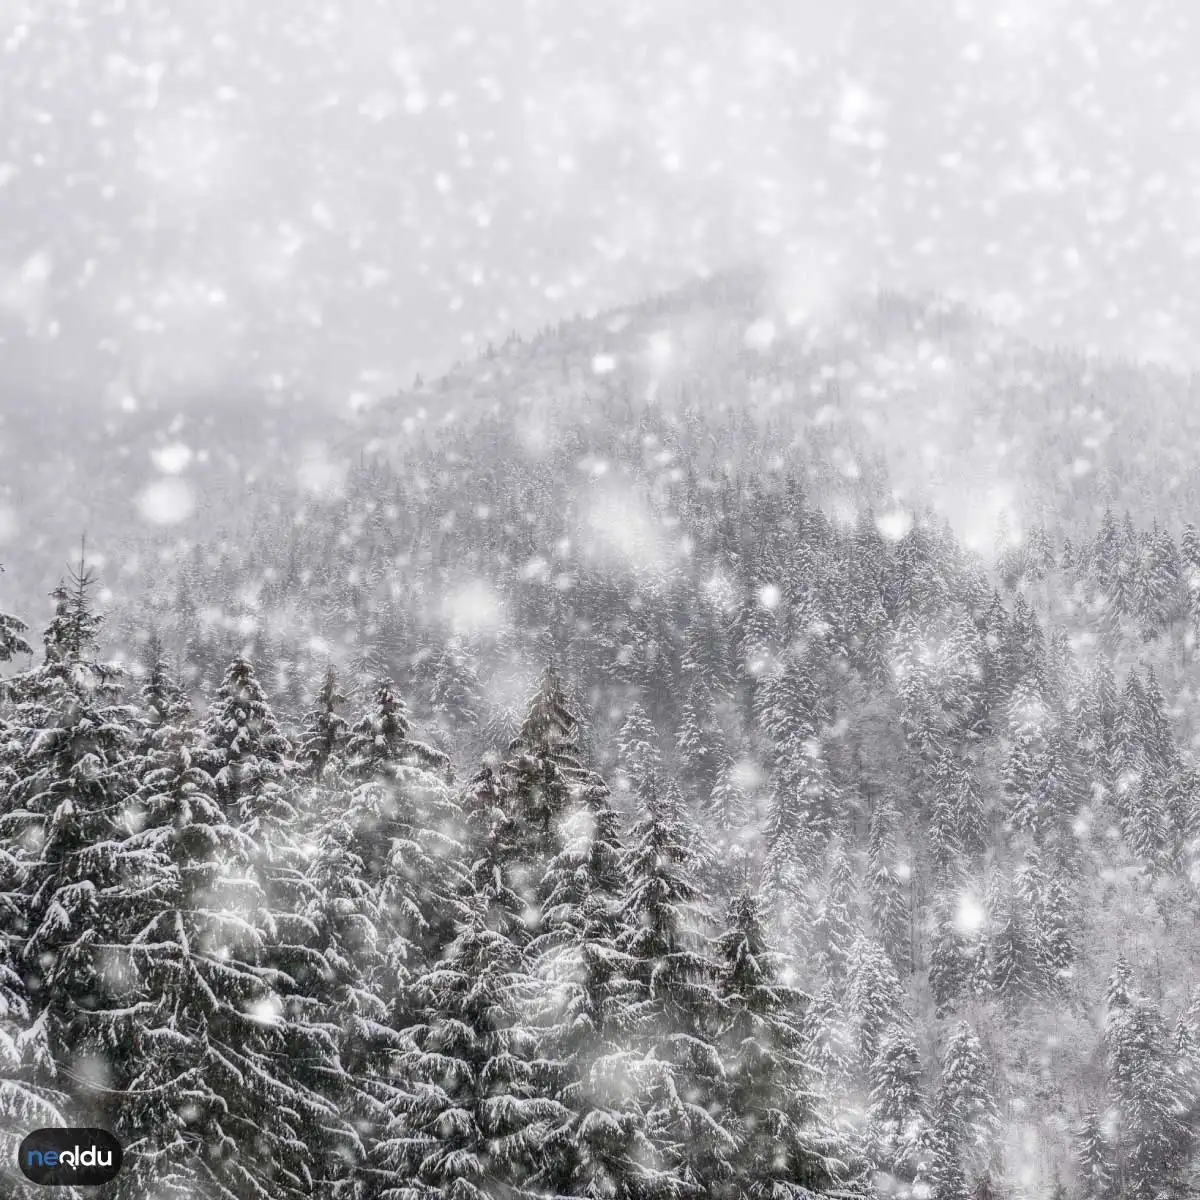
(308, 965)
(1120, 577)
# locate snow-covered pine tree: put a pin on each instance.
(939, 1172)
(256, 781)
(829, 1046)
(470, 1119)
(1023, 651)
(400, 821)
(951, 962)
(381, 738)
(382, 865)
(498, 732)
(1131, 763)
(12, 639)
(638, 756)
(163, 700)
(541, 779)
(360, 995)
(886, 902)
(1096, 1170)
(920, 718)
(956, 823)
(69, 756)
(1148, 1095)
(874, 1000)
(31, 1092)
(454, 695)
(1012, 951)
(726, 820)
(243, 749)
(667, 923)
(700, 741)
(756, 637)
(1096, 718)
(1190, 571)
(590, 1017)
(213, 1107)
(785, 1144)
(837, 915)
(788, 708)
(1159, 592)
(1030, 727)
(1157, 734)
(965, 1108)
(1186, 1050)
(872, 643)
(324, 730)
(785, 873)
(896, 1114)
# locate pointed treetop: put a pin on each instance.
(379, 741)
(73, 629)
(549, 726)
(1119, 993)
(163, 699)
(325, 729)
(380, 734)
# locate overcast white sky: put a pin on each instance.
(202, 196)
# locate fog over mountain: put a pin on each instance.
(321, 199)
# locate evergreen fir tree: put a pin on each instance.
(163, 700)
(399, 822)
(211, 1109)
(950, 960)
(957, 820)
(325, 730)
(1028, 760)
(700, 741)
(965, 1107)
(638, 757)
(896, 1115)
(726, 819)
(243, 748)
(1190, 570)
(1012, 953)
(454, 696)
(31, 1093)
(1118, 995)
(667, 924)
(829, 1045)
(542, 779)
(380, 739)
(1094, 1160)
(784, 1146)
(885, 892)
(469, 1120)
(836, 916)
(593, 1011)
(12, 640)
(69, 757)
(874, 999)
(1148, 1096)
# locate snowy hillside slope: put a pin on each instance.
(966, 416)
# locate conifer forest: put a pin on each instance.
(620, 800)
(599, 601)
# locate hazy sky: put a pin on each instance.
(210, 195)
